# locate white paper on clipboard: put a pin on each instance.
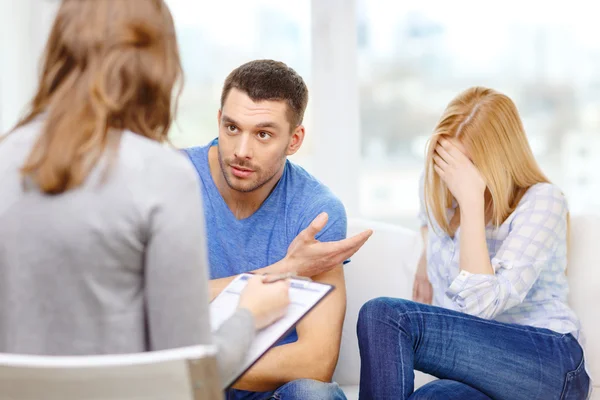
(304, 295)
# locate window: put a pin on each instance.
(411, 58)
(24, 27)
(415, 56)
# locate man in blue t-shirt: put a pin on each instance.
(266, 214)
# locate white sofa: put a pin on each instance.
(385, 267)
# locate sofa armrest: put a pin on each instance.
(584, 280)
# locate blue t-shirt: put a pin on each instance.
(238, 246)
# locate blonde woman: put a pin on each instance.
(496, 229)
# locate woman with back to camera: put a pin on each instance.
(496, 233)
(102, 246)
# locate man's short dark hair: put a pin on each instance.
(273, 81)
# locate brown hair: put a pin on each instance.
(270, 80)
(109, 66)
(487, 123)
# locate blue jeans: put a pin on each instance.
(301, 389)
(444, 389)
(474, 357)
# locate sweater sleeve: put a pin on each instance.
(176, 277)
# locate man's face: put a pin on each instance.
(254, 140)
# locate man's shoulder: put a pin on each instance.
(303, 185)
(197, 154)
(308, 197)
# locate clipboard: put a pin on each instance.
(304, 296)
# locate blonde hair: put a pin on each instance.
(488, 125)
(109, 66)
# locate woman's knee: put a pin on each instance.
(371, 311)
(381, 308)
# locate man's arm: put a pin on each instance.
(315, 354)
(307, 256)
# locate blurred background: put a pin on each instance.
(380, 73)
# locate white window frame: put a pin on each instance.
(24, 28)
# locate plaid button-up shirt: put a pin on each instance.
(529, 255)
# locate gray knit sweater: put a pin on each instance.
(118, 265)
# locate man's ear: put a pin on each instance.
(297, 139)
(219, 114)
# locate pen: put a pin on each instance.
(288, 275)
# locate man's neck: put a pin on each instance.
(241, 204)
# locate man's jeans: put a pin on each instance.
(301, 389)
(475, 358)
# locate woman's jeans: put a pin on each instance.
(473, 357)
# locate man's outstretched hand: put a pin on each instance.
(306, 256)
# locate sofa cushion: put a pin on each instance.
(385, 266)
